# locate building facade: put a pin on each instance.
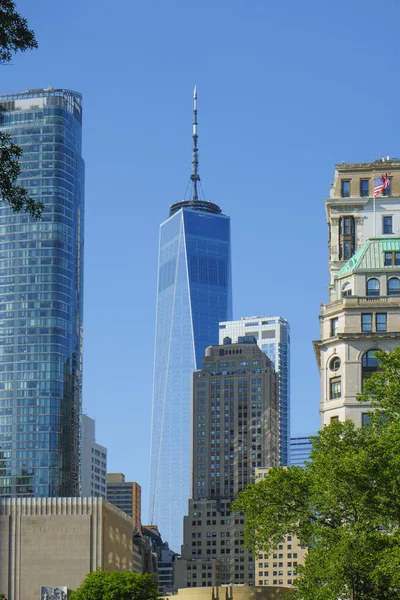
(363, 316)
(165, 559)
(93, 462)
(57, 541)
(234, 592)
(354, 215)
(235, 430)
(273, 337)
(127, 496)
(300, 448)
(41, 295)
(194, 294)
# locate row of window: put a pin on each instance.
(364, 188)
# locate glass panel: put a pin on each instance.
(372, 287)
(387, 225)
(345, 188)
(394, 287)
(366, 322)
(388, 259)
(381, 321)
(364, 187)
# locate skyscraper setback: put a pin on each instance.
(194, 295)
(41, 286)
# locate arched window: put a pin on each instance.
(373, 287)
(393, 287)
(346, 289)
(370, 365)
(334, 364)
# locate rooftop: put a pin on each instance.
(371, 256)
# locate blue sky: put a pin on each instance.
(285, 91)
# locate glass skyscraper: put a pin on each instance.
(300, 448)
(194, 294)
(273, 337)
(41, 294)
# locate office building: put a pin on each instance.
(56, 542)
(126, 495)
(363, 312)
(41, 295)
(235, 430)
(273, 337)
(165, 559)
(300, 448)
(354, 215)
(279, 566)
(194, 295)
(93, 462)
(233, 592)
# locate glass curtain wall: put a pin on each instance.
(194, 294)
(41, 293)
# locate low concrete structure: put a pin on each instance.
(232, 592)
(58, 541)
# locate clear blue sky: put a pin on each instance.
(286, 90)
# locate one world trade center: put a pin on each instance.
(194, 293)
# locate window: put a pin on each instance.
(334, 326)
(346, 237)
(365, 418)
(387, 225)
(347, 250)
(380, 321)
(393, 287)
(334, 419)
(392, 259)
(388, 191)
(366, 322)
(345, 188)
(373, 287)
(346, 289)
(334, 365)
(335, 387)
(364, 187)
(370, 365)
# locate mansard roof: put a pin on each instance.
(371, 256)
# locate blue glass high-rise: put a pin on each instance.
(41, 293)
(194, 294)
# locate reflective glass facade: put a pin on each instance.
(194, 294)
(273, 337)
(300, 448)
(41, 286)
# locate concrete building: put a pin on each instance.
(58, 541)
(300, 448)
(93, 462)
(235, 430)
(353, 215)
(233, 592)
(363, 316)
(279, 566)
(273, 337)
(126, 495)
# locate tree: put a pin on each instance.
(15, 36)
(121, 585)
(344, 505)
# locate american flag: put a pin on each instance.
(381, 183)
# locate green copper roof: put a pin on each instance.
(370, 256)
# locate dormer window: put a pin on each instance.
(392, 259)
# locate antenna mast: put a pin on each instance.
(195, 177)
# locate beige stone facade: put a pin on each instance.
(232, 592)
(58, 541)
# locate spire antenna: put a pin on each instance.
(195, 177)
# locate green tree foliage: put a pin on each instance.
(344, 505)
(122, 585)
(15, 36)
(2, 597)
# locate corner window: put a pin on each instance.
(387, 225)
(373, 287)
(335, 385)
(381, 320)
(334, 326)
(345, 188)
(393, 287)
(364, 187)
(346, 289)
(366, 322)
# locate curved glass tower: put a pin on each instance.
(194, 295)
(41, 288)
